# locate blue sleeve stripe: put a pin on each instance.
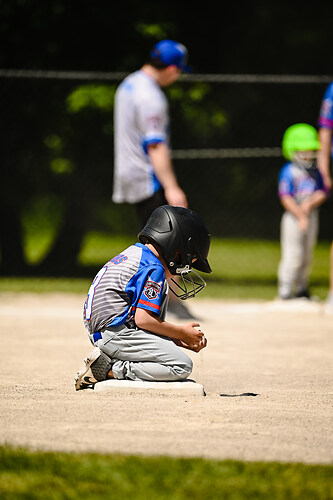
(152, 140)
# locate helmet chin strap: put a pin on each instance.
(187, 286)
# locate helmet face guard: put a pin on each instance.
(187, 286)
(305, 159)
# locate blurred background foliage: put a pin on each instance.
(57, 141)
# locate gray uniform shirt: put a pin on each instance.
(141, 118)
(134, 278)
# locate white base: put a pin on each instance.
(186, 387)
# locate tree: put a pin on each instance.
(57, 138)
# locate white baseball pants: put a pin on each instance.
(296, 253)
(141, 355)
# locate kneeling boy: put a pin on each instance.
(125, 309)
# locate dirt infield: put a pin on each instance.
(281, 354)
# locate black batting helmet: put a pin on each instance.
(182, 237)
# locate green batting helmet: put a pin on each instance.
(299, 137)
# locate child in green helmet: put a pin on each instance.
(301, 192)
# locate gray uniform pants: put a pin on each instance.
(142, 355)
(296, 253)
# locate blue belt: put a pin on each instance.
(97, 336)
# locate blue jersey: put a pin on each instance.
(134, 278)
(299, 182)
(326, 110)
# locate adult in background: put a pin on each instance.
(325, 123)
(143, 170)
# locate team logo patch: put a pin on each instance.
(151, 290)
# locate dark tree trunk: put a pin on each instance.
(11, 241)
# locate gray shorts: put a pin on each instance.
(141, 355)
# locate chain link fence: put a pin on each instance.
(57, 158)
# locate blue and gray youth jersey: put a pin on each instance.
(134, 278)
(299, 182)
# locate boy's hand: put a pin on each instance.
(306, 206)
(303, 223)
(195, 348)
(193, 338)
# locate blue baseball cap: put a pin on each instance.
(171, 53)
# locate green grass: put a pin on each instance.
(243, 269)
(39, 475)
(248, 269)
(45, 285)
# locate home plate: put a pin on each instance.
(184, 388)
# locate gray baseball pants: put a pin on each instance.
(296, 253)
(141, 355)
